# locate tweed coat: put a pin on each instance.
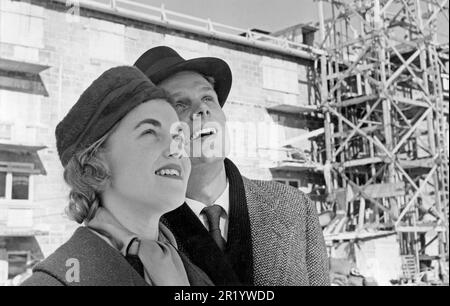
(288, 244)
(284, 246)
(99, 265)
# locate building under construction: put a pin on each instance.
(357, 104)
(383, 80)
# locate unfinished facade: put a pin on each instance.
(384, 96)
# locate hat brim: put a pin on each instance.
(208, 66)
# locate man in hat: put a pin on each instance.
(239, 231)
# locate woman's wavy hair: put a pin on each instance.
(87, 176)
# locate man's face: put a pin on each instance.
(196, 104)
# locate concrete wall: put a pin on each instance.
(79, 49)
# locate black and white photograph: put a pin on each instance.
(244, 145)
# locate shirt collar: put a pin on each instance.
(223, 200)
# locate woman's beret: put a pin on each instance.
(104, 103)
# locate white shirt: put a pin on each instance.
(224, 201)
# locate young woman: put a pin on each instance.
(121, 148)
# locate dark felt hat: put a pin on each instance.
(104, 103)
(162, 62)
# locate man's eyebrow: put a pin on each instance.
(178, 94)
(207, 88)
(149, 121)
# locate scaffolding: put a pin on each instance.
(386, 122)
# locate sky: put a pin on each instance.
(268, 15)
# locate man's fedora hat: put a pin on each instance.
(161, 62)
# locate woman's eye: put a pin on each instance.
(148, 132)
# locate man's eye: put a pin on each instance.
(180, 106)
(208, 99)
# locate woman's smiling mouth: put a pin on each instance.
(170, 171)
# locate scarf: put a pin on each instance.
(160, 259)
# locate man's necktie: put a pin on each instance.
(213, 214)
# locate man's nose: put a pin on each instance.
(202, 111)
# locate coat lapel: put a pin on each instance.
(196, 275)
(194, 240)
(239, 245)
(270, 235)
(99, 263)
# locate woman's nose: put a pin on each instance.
(176, 155)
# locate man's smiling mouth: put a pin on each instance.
(203, 133)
